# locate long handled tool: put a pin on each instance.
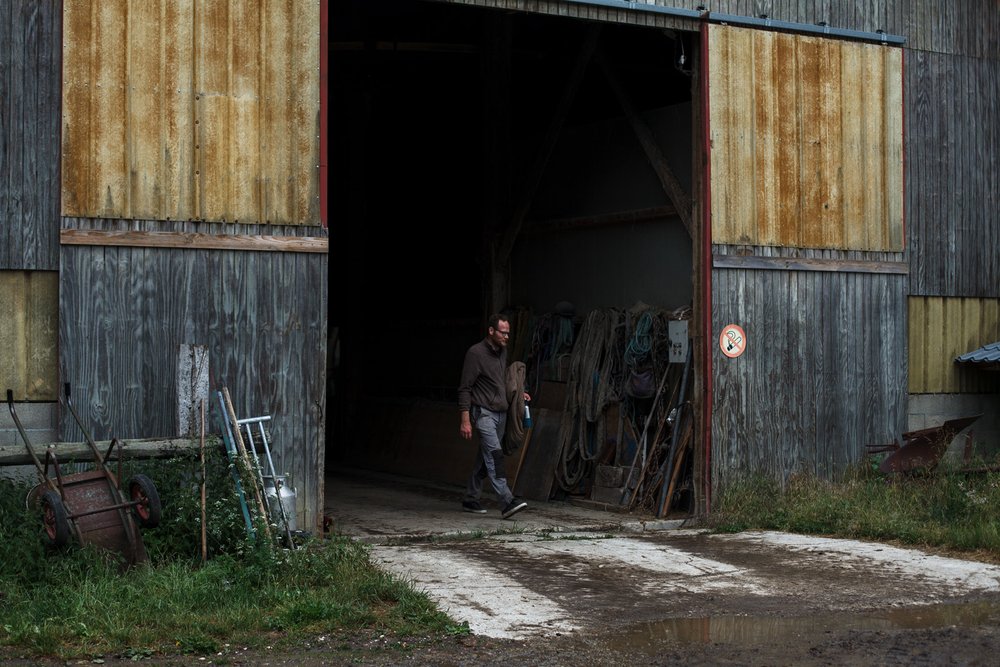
(668, 464)
(204, 536)
(227, 435)
(641, 445)
(238, 437)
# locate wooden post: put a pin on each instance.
(204, 538)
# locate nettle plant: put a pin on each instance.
(178, 481)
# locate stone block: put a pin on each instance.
(609, 476)
(607, 495)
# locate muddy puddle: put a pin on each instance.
(770, 630)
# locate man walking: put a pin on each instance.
(482, 400)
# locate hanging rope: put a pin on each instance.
(593, 383)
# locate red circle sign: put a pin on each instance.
(732, 341)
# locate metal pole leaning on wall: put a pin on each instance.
(238, 437)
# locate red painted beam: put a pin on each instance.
(324, 104)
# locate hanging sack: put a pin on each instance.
(514, 433)
(641, 383)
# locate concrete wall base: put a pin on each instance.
(40, 422)
(929, 410)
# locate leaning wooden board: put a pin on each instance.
(537, 473)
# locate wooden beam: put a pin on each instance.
(807, 264)
(15, 455)
(533, 227)
(534, 177)
(195, 241)
(678, 197)
(496, 77)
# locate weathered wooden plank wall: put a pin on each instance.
(824, 372)
(942, 328)
(953, 162)
(806, 163)
(29, 134)
(807, 141)
(262, 316)
(183, 110)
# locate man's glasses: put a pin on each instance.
(505, 334)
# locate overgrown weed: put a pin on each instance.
(79, 602)
(947, 509)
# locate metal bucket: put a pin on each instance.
(281, 497)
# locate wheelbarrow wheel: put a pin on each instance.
(142, 489)
(55, 519)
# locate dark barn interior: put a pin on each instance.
(439, 116)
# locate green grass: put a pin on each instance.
(80, 602)
(947, 509)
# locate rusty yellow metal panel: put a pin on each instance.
(109, 113)
(29, 334)
(145, 39)
(893, 148)
(76, 92)
(806, 141)
(942, 328)
(185, 109)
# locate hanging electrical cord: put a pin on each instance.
(641, 342)
(539, 351)
(562, 341)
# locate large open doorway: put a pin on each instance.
(487, 159)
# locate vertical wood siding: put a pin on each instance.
(29, 316)
(179, 109)
(29, 135)
(953, 163)
(944, 328)
(262, 316)
(824, 372)
(806, 137)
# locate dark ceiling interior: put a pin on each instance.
(408, 131)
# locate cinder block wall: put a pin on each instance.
(928, 410)
(39, 421)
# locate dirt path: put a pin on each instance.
(691, 584)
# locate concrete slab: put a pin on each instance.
(380, 508)
(559, 569)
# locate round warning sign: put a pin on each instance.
(732, 340)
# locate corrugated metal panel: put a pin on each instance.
(823, 373)
(632, 14)
(29, 362)
(943, 328)
(29, 135)
(987, 354)
(806, 139)
(177, 110)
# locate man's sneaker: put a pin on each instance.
(513, 507)
(473, 506)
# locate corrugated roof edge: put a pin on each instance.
(987, 354)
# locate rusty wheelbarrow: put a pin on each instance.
(921, 450)
(91, 507)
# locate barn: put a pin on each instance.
(792, 203)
